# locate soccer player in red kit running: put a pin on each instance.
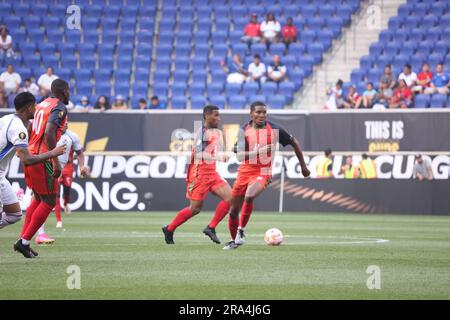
(49, 120)
(203, 178)
(256, 145)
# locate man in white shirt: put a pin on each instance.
(270, 28)
(45, 81)
(31, 87)
(276, 71)
(10, 80)
(257, 70)
(14, 139)
(409, 76)
(5, 43)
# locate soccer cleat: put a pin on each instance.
(240, 237)
(34, 252)
(211, 233)
(168, 236)
(67, 209)
(59, 224)
(230, 246)
(44, 239)
(23, 249)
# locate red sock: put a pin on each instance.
(247, 209)
(221, 211)
(31, 208)
(233, 226)
(58, 210)
(182, 216)
(37, 220)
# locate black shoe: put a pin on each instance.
(168, 235)
(23, 249)
(211, 233)
(34, 252)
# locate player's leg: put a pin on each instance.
(224, 193)
(67, 187)
(182, 216)
(253, 191)
(11, 211)
(233, 220)
(58, 206)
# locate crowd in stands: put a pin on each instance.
(392, 93)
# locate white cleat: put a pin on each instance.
(240, 237)
(67, 210)
(59, 224)
(230, 246)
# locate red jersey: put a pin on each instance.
(425, 76)
(252, 30)
(250, 139)
(289, 32)
(50, 110)
(207, 141)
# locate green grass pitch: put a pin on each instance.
(325, 256)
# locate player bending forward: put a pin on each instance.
(256, 146)
(203, 178)
(72, 142)
(48, 123)
(14, 139)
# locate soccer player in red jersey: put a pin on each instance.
(203, 178)
(48, 123)
(255, 147)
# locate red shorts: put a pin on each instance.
(244, 179)
(39, 178)
(198, 187)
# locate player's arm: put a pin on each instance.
(28, 159)
(298, 152)
(54, 122)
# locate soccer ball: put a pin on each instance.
(273, 237)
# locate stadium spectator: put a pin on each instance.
(441, 81)
(142, 105)
(119, 103)
(289, 32)
(388, 77)
(6, 48)
(10, 80)
(352, 100)
(408, 75)
(402, 96)
(368, 96)
(270, 29)
(367, 168)
(324, 166)
(276, 71)
(424, 79)
(257, 70)
(383, 97)
(235, 70)
(45, 81)
(30, 86)
(155, 103)
(422, 169)
(3, 100)
(84, 105)
(102, 103)
(334, 96)
(252, 31)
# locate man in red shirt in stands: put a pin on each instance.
(252, 31)
(424, 79)
(289, 32)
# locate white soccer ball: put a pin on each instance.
(273, 237)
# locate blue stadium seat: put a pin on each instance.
(178, 102)
(276, 101)
(87, 62)
(217, 100)
(102, 75)
(269, 88)
(84, 89)
(422, 101)
(82, 75)
(69, 62)
(287, 89)
(106, 62)
(250, 88)
(51, 61)
(236, 102)
(215, 88)
(438, 101)
(54, 35)
(198, 102)
(179, 89)
(73, 36)
(86, 49)
(232, 89)
(140, 89)
(160, 89)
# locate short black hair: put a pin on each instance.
(208, 109)
(58, 85)
(142, 100)
(327, 152)
(23, 100)
(154, 98)
(257, 56)
(257, 104)
(365, 156)
(407, 65)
